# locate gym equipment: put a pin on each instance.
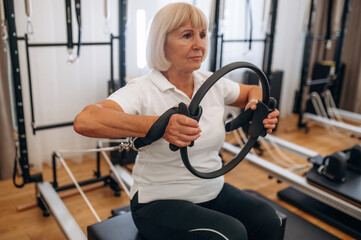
(296, 181)
(69, 28)
(354, 161)
(339, 173)
(107, 11)
(335, 78)
(257, 117)
(334, 167)
(51, 203)
(3, 30)
(29, 13)
(10, 16)
(331, 119)
(121, 224)
(322, 211)
(195, 111)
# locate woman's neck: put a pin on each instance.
(181, 80)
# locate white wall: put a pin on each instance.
(61, 90)
(288, 48)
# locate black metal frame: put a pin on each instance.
(300, 104)
(28, 45)
(13, 43)
(268, 42)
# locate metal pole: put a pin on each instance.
(214, 39)
(122, 32)
(24, 161)
(307, 49)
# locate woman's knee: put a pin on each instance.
(225, 228)
(267, 221)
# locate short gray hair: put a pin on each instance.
(167, 19)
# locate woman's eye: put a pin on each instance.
(187, 35)
(202, 35)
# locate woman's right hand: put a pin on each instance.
(181, 130)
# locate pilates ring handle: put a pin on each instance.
(257, 116)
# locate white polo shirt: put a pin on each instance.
(160, 173)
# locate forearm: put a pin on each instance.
(247, 93)
(103, 122)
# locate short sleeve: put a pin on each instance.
(231, 91)
(128, 97)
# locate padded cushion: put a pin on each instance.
(115, 228)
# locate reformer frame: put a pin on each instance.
(50, 202)
(20, 116)
(268, 41)
(296, 181)
(306, 83)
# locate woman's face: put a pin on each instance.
(185, 47)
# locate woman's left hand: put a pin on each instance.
(271, 121)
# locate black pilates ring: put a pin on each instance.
(194, 105)
(194, 111)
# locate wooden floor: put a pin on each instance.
(30, 224)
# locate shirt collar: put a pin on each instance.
(163, 84)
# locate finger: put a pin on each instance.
(270, 121)
(273, 114)
(186, 121)
(182, 140)
(270, 126)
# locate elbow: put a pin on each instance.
(79, 126)
(82, 124)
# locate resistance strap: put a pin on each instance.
(69, 28)
(78, 19)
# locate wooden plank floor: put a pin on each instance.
(30, 224)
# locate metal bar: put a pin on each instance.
(318, 81)
(291, 147)
(338, 54)
(221, 51)
(111, 65)
(122, 35)
(83, 183)
(44, 127)
(55, 181)
(243, 40)
(23, 160)
(58, 210)
(30, 84)
(124, 175)
(271, 36)
(298, 182)
(64, 44)
(321, 38)
(347, 128)
(214, 38)
(351, 116)
(307, 49)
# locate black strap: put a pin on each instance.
(69, 24)
(157, 130)
(78, 19)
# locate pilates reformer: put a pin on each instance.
(331, 117)
(53, 205)
(322, 191)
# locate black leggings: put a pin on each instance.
(233, 214)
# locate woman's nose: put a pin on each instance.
(198, 43)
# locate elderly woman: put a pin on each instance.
(168, 202)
